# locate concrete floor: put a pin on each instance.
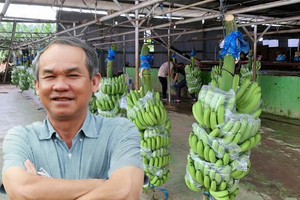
(275, 169)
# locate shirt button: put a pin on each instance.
(80, 139)
(56, 135)
(69, 155)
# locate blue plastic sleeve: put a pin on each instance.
(145, 61)
(193, 53)
(234, 44)
(111, 54)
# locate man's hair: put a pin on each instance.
(91, 55)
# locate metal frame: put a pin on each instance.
(204, 14)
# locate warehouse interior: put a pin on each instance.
(175, 29)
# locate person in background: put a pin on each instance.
(3, 65)
(179, 82)
(163, 73)
(72, 154)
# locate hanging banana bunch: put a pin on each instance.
(148, 113)
(227, 114)
(193, 76)
(106, 101)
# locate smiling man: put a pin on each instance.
(72, 154)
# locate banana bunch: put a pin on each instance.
(25, 77)
(246, 71)
(248, 98)
(107, 98)
(15, 76)
(108, 105)
(221, 140)
(92, 104)
(155, 153)
(215, 178)
(211, 105)
(147, 112)
(106, 102)
(193, 79)
(114, 85)
(215, 75)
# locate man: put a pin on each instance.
(180, 82)
(72, 154)
(163, 73)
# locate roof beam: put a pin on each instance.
(264, 6)
(4, 9)
(101, 19)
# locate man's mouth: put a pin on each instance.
(62, 99)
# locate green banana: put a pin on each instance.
(220, 114)
(200, 148)
(199, 177)
(206, 181)
(206, 117)
(219, 194)
(242, 89)
(252, 105)
(212, 156)
(235, 82)
(213, 120)
(198, 113)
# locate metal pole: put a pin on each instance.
(169, 57)
(9, 51)
(74, 31)
(264, 6)
(124, 56)
(101, 19)
(4, 9)
(121, 7)
(136, 48)
(254, 53)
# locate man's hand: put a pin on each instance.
(30, 168)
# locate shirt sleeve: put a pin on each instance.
(125, 147)
(16, 148)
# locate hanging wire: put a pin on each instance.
(222, 13)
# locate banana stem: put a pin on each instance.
(146, 78)
(228, 65)
(109, 65)
(193, 61)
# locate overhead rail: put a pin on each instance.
(104, 18)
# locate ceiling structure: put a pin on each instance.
(190, 16)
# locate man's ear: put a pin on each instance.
(95, 81)
(36, 84)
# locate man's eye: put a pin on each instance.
(46, 77)
(73, 75)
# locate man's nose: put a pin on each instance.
(61, 84)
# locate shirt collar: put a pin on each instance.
(88, 128)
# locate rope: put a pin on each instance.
(161, 189)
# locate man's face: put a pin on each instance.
(64, 85)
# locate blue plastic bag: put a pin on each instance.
(234, 44)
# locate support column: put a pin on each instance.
(254, 53)
(136, 47)
(9, 51)
(169, 57)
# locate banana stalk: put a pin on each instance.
(193, 58)
(146, 71)
(110, 62)
(228, 65)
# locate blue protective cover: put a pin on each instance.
(234, 44)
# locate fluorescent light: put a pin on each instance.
(30, 11)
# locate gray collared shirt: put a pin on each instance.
(100, 147)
